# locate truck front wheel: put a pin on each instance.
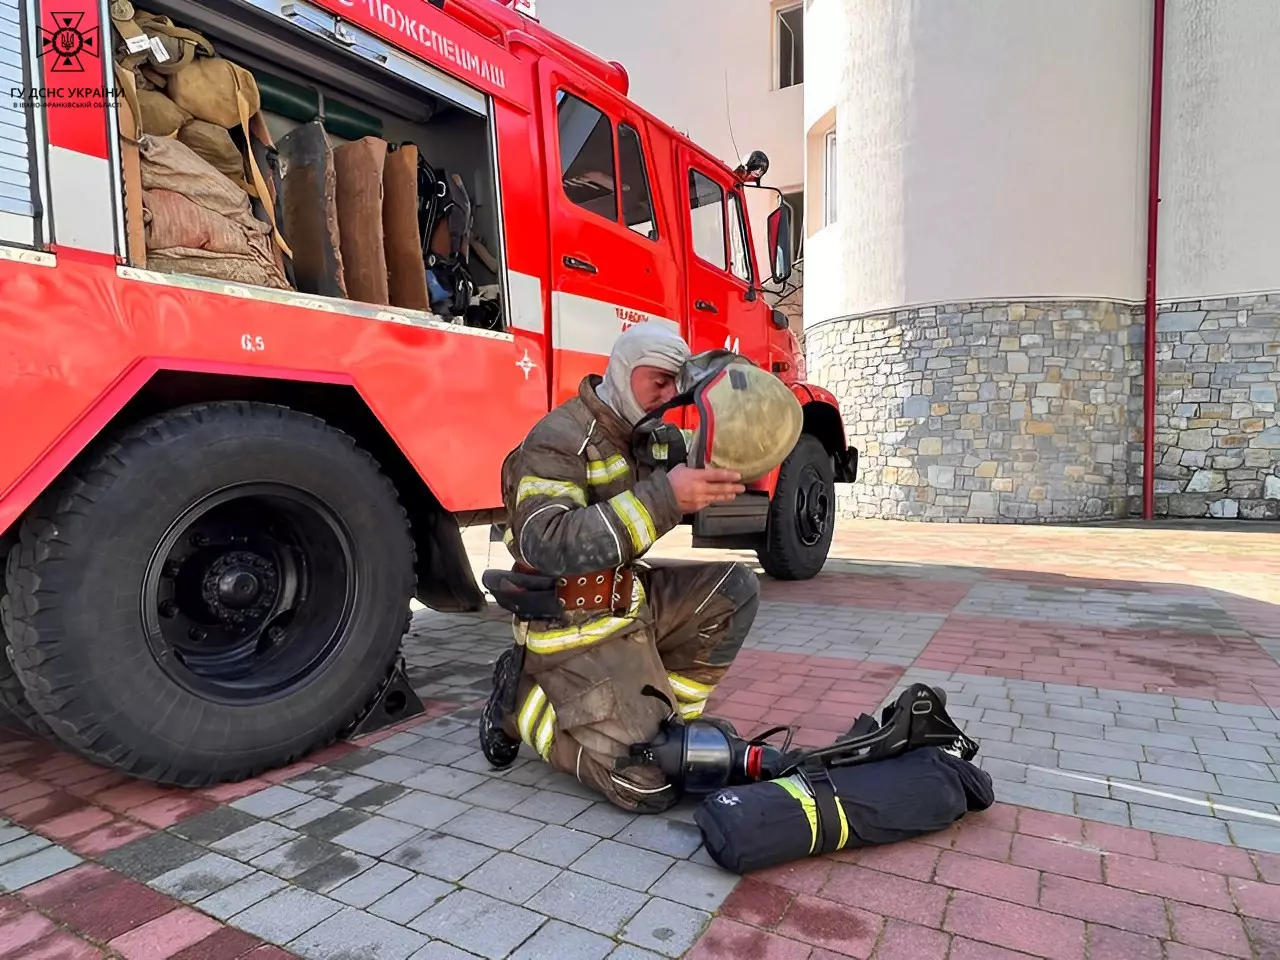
(218, 591)
(801, 514)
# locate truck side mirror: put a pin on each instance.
(781, 254)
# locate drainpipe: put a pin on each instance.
(1153, 207)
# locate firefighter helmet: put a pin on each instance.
(748, 419)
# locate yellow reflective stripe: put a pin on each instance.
(547, 642)
(691, 711)
(528, 717)
(689, 691)
(546, 732)
(540, 487)
(600, 472)
(635, 518)
(844, 825)
(661, 451)
(797, 790)
(688, 436)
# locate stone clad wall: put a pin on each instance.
(1032, 411)
(980, 412)
(1217, 432)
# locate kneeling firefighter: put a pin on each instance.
(614, 659)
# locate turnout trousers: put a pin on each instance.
(579, 703)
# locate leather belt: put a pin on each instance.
(598, 591)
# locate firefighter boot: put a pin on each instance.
(499, 749)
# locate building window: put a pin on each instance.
(790, 31)
(829, 179)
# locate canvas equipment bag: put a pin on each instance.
(199, 84)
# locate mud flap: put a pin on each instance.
(310, 211)
(406, 272)
(359, 166)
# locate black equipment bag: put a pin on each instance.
(773, 822)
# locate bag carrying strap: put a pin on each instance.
(260, 184)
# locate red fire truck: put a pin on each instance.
(217, 497)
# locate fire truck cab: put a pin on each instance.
(227, 469)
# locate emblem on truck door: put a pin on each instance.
(526, 364)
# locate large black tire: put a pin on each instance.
(13, 698)
(801, 514)
(240, 537)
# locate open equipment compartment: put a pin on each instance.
(382, 169)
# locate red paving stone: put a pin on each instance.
(870, 592)
(1205, 666)
(820, 697)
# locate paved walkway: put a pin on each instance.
(1123, 684)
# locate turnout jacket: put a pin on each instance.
(577, 501)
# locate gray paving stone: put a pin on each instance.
(213, 825)
(661, 835)
(424, 809)
(1191, 826)
(377, 836)
(602, 819)
(510, 877)
(1257, 836)
(343, 788)
(1098, 766)
(1131, 722)
(353, 933)
(21, 847)
(308, 781)
(694, 885)
(445, 781)
(371, 800)
(10, 833)
(439, 950)
(1152, 710)
(395, 743)
(270, 802)
(20, 873)
(254, 841)
(550, 806)
(1151, 738)
(1195, 729)
(333, 872)
(1098, 748)
(441, 856)
(411, 899)
(296, 857)
(240, 895)
(1093, 731)
(492, 828)
(285, 915)
(1099, 808)
(1080, 715)
(587, 902)
(1224, 767)
(1056, 780)
(623, 864)
(371, 885)
(562, 942)
(1231, 750)
(201, 878)
(1176, 758)
(1250, 789)
(432, 750)
(147, 858)
(1040, 798)
(665, 927)
(392, 769)
(480, 924)
(330, 825)
(556, 845)
(298, 818)
(627, 951)
(1176, 777)
(1017, 752)
(496, 794)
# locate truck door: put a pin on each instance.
(723, 310)
(613, 258)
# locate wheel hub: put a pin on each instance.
(813, 508)
(240, 586)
